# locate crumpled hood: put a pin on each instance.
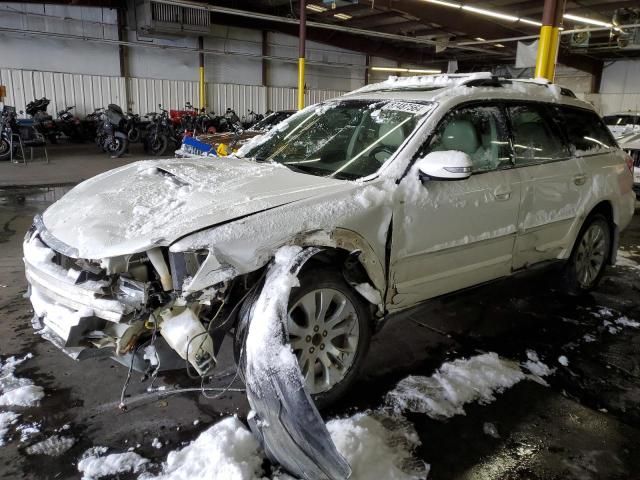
(152, 203)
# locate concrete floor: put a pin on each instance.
(584, 425)
(68, 164)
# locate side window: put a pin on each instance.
(478, 131)
(586, 132)
(534, 139)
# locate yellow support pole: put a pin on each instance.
(549, 39)
(300, 83)
(203, 90)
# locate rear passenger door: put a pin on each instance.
(553, 184)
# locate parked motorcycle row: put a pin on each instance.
(114, 130)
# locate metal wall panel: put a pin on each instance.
(143, 95)
(85, 92)
(146, 94)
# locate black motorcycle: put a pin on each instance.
(70, 125)
(112, 131)
(134, 127)
(91, 123)
(160, 133)
(42, 121)
(250, 119)
(8, 125)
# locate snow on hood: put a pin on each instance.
(151, 203)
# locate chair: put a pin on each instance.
(35, 139)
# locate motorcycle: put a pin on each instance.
(8, 125)
(112, 134)
(90, 124)
(134, 127)
(70, 125)
(251, 119)
(42, 121)
(159, 133)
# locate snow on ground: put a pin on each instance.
(17, 391)
(95, 464)
(535, 366)
(375, 444)
(624, 259)
(6, 420)
(564, 361)
(54, 446)
(455, 384)
(225, 450)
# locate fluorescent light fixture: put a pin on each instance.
(490, 13)
(589, 21)
(499, 45)
(480, 39)
(444, 4)
(316, 8)
(405, 70)
(342, 16)
(530, 22)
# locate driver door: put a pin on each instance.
(452, 234)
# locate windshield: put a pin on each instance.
(346, 139)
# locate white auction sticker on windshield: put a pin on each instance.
(415, 108)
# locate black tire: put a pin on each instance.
(118, 147)
(574, 279)
(311, 280)
(134, 135)
(5, 150)
(157, 145)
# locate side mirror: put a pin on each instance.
(447, 165)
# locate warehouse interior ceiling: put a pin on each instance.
(478, 34)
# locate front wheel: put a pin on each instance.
(590, 255)
(157, 144)
(329, 331)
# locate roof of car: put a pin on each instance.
(630, 142)
(470, 86)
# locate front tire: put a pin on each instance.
(329, 329)
(5, 150)
(590, 255)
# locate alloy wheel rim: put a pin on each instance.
(591, 255)
(323, 333)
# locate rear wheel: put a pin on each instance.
(5, 149)
(117, 147)
(590, 254)
(329, 331)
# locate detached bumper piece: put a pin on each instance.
(284, 418)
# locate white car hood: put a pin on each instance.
(154, 203)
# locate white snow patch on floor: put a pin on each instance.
(626, 322)
(536, 366)
(378, 446)
(17, 391)
(375, 444)
(455, 384)
(28, 430)
(6, 420)
(564, 361)
(54, 446)
(227, 450)
(94, 464)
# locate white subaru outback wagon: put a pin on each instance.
(407, 190)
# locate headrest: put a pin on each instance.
(460, 135)
(393, 139)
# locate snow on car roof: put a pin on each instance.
(630, 142)
(477, 85)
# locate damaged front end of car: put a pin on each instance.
(120, 306)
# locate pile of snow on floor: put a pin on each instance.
(455, 384)
(536, 366)
(54, 446)
(226, 450)
(6, 420)
(378, 446)
(17, 391)
(94, 464)
(375, 444)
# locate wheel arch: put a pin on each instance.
(606, 209)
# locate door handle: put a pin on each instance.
(580, 180)
(502, 196)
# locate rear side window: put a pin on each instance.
(534, 138)
(585, 131)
